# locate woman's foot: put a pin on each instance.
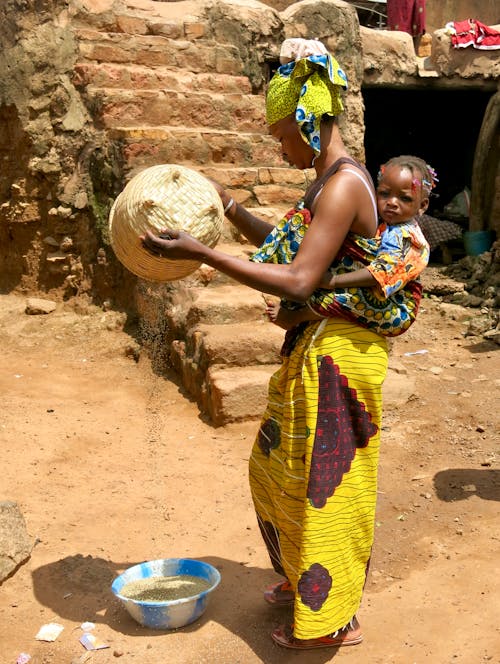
(280, 594)
(350, 635)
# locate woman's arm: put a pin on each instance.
(334, 213)
(254, 229)
(265, 277)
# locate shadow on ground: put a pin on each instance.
(78, 588)
(461, 483)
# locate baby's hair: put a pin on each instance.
(416, 166)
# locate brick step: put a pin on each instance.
(257, 179)
(176, 19)
(209, 276)
(233, 394)
(205, 296)
(144, 146)
(137, 77)
(233, 344)
(229, 303)
(115, 107)
(158, 51)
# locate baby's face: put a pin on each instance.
(400, 195)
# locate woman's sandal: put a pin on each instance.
(350, 635)
(280, 594)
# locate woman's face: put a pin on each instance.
(294, 149)
(400, 196)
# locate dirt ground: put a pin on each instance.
(112, 465)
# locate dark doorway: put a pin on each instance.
(440, 126)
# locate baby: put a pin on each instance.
(401, 253)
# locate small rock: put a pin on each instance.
(133, 351)
(56, 257)
(81, 200)
(64, 212)
(36, 306)
(492, 335)
(479, 325)
(15, 543)
(52, 242)
(66, 244)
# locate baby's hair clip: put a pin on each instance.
(427, 186)
(433, 175)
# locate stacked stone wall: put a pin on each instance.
(51, 228)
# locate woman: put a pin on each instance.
(313, 467)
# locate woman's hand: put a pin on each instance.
(224, 196)
(170, 243)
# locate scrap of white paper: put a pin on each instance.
(91, 642)
(417, 352)
(87, 626)
(49, 632)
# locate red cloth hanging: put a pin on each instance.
(473, 33)
(407, 16)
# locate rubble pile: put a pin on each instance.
(481, 280)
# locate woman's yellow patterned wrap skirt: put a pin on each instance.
(313, 469)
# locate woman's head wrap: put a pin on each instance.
(307, 84)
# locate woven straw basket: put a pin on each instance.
(164, 196)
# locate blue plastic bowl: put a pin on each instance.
(174, 613)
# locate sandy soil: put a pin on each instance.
(112, 465)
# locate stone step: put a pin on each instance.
(137, 77)
(235, 394)
(158, 51)
(208, 277)
(114, 107)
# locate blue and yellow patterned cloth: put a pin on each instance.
(388, 314)
(309, 88)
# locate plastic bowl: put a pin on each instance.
(171, 614)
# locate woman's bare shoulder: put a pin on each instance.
(349, 194)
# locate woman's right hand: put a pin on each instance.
(173, 244)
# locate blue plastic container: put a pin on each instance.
(477, 242)
(175, 613)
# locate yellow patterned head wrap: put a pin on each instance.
(308, 85)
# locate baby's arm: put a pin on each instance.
(357, 279)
